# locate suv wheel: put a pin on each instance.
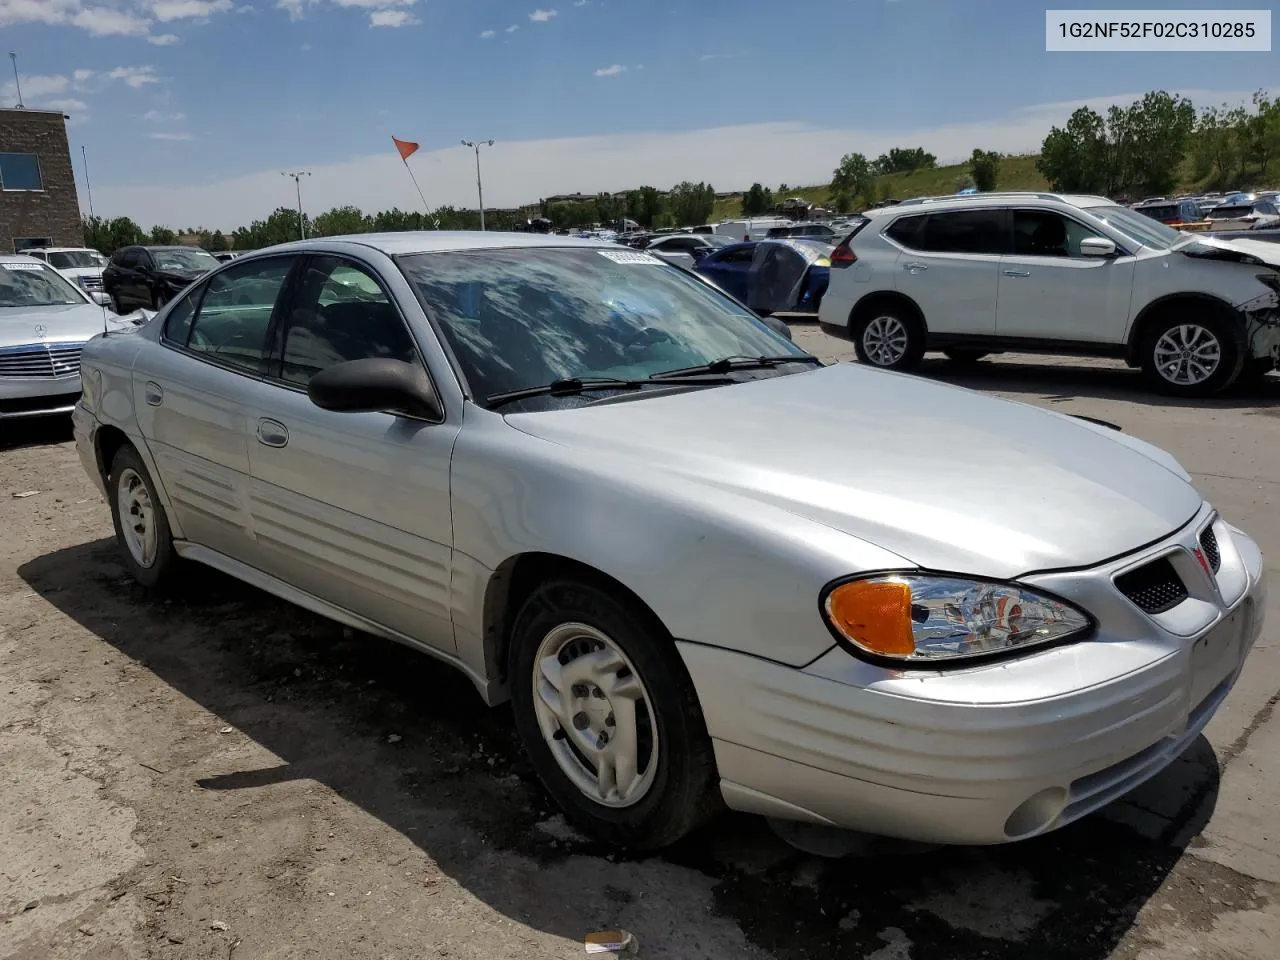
(1193, 357)
(609, 716)
(889, 337)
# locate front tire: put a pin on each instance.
(1199, 357)
(889, 337)
(609, 717)
(142, 529)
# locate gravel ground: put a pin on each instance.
(225, 776)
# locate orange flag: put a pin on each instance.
(406, 147)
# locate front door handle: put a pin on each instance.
(153, 393)
(915, 267)
(272, 433)
(1017, 273)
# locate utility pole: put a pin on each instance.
(16, 82)
(297, 176)
(476, 145)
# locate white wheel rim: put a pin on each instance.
(885, 341)
(595, 715)
(1187, 355)
(137, 518)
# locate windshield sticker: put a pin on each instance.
(628, 256)
(22, 266)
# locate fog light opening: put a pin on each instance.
(1036, 814)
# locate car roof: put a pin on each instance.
(445, 241)
(954, 202)
(16, 258)
(64, 249)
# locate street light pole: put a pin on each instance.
(476, 145)
(297, 184)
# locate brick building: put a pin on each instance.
(38, 202)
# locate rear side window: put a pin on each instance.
(965, 231)
(231, 324)
(906, 230)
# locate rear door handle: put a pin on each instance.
(1017, 273)
(272, 433)
(153, 393)
(915, 267)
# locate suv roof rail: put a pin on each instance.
(970, 197)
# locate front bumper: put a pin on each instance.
(38, 396)
(985, 754)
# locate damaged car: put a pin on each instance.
(1057, 274)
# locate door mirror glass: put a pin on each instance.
(100, 298)
(1097, 247)
(375, 384)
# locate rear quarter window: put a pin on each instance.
(905, 230)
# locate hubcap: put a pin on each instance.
(885, 341)
(137, 518)
(595, 715)
(1187, 354)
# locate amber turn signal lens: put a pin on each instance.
(875, 615)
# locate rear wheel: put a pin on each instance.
(609, 716)
(142, 529)
(964, 357)
(1193, 357)
(889, 336)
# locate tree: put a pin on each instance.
(852, 182)
(645, 206)
(341, 221)
(690, 204)
(984, 167)
(217, 242)
(756, 201)
(1071, 157)
(904, 160)
(163, 236)
(108, 236)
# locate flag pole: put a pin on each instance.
(415, 186)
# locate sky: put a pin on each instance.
(189, 110)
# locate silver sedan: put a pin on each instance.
(705, 568)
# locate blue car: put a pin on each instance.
(786, 275)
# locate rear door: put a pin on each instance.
(191, 398)
(949, 266)
(730, 269)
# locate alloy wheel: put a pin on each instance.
(595, 715)
(885, 340)
(1187, 355)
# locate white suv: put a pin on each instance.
(1046, 273)
(83, 265)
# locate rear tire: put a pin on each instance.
(587, 663)
(964, 357)
(142, 529)
(1193, 356)
(890, 337)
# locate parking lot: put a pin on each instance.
(223, 775)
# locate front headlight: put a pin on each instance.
(919, 618)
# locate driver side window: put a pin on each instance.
(230, 326)
(1044, 233)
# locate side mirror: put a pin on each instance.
(375, 384)
(1097, 247)
(100, 298)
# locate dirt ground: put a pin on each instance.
(225, 776)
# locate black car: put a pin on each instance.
(149, 277)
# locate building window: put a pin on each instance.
(20, 171)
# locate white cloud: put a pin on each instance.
(136, 77)
(488, 34)
(69, 105)
(36, 87)
(169, 136)
(158, 116)
(611, 71)
(82, 76)
(163, 40)
(581, 3)
(513, 28)
(542, 16)
(169, 10)
(518, 172)
(108, 22)
(392, 18)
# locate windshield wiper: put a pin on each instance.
(729, 364)
(572, 386)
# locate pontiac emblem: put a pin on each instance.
(41, 330)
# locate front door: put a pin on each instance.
(352, 508)
(190, 400)
(1050, 291)
(949, 267)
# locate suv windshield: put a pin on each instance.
(522, 318)
(70, 259)
(183, 260)
(34, 285)
(1138, 227)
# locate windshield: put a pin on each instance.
(527, 317)
(184, 260)
(1138, 227)
(70, 259)
(34, 285)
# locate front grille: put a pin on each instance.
(41, 361)
(91, 282)
(1209, 544)
(1154, 588)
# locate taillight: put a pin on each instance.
(843, 256)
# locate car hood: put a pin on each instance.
(946, 478)
(63, 323)
(1259, 250)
